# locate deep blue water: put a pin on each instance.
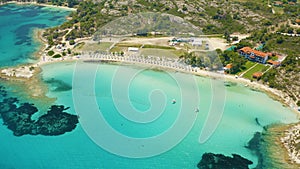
(17, 23)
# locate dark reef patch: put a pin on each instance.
(31, 13)
(255, 146)
(266, 145)
(56, 121)
(23, 31)
(15, 59)
(3, 92)
(58, 85)
(17, 117)
(55, 18)
(220, 161)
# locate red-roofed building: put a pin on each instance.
(278, 3)
(254, 55)
(274, 63)
(292, 3)
(257, 75)
(228, 66)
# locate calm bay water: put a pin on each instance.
(77, 150)
(17, 23)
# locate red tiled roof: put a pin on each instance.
(248, 50)
(272, 62)
(229, 66)
(257, 74)
(259, 53)
(278, 3)
(292, 3)
(298, 20)
(269, 53)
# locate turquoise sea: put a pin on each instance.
(70, 83)
(17, 23)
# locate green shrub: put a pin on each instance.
(72, 42)
(51, 53)
(57, 56)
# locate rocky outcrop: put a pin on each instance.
(291, 141)
(270, 146)
(17, 117)
(218, 161)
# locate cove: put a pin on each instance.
(17, 23)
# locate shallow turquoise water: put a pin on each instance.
(17, 23)
(77, 150)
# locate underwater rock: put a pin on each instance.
(58, 85)
(3, 92)
(18, 119)
(220, 161)
(255, 146)
(254, 143)
(56, 122)
(257, 121)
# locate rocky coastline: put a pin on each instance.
(276, 146)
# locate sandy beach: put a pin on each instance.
(29, 72)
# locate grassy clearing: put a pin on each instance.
(103, 46)
(128, 45)
(118, 49)
(257, 68)
(278, 10)
(249, 64)
(158, 47)
(179, 53)
(214, 36)
(160, 52)
(79, 45)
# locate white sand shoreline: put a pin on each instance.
(28, 72)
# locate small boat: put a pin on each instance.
(173, 101)
(197, 110)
